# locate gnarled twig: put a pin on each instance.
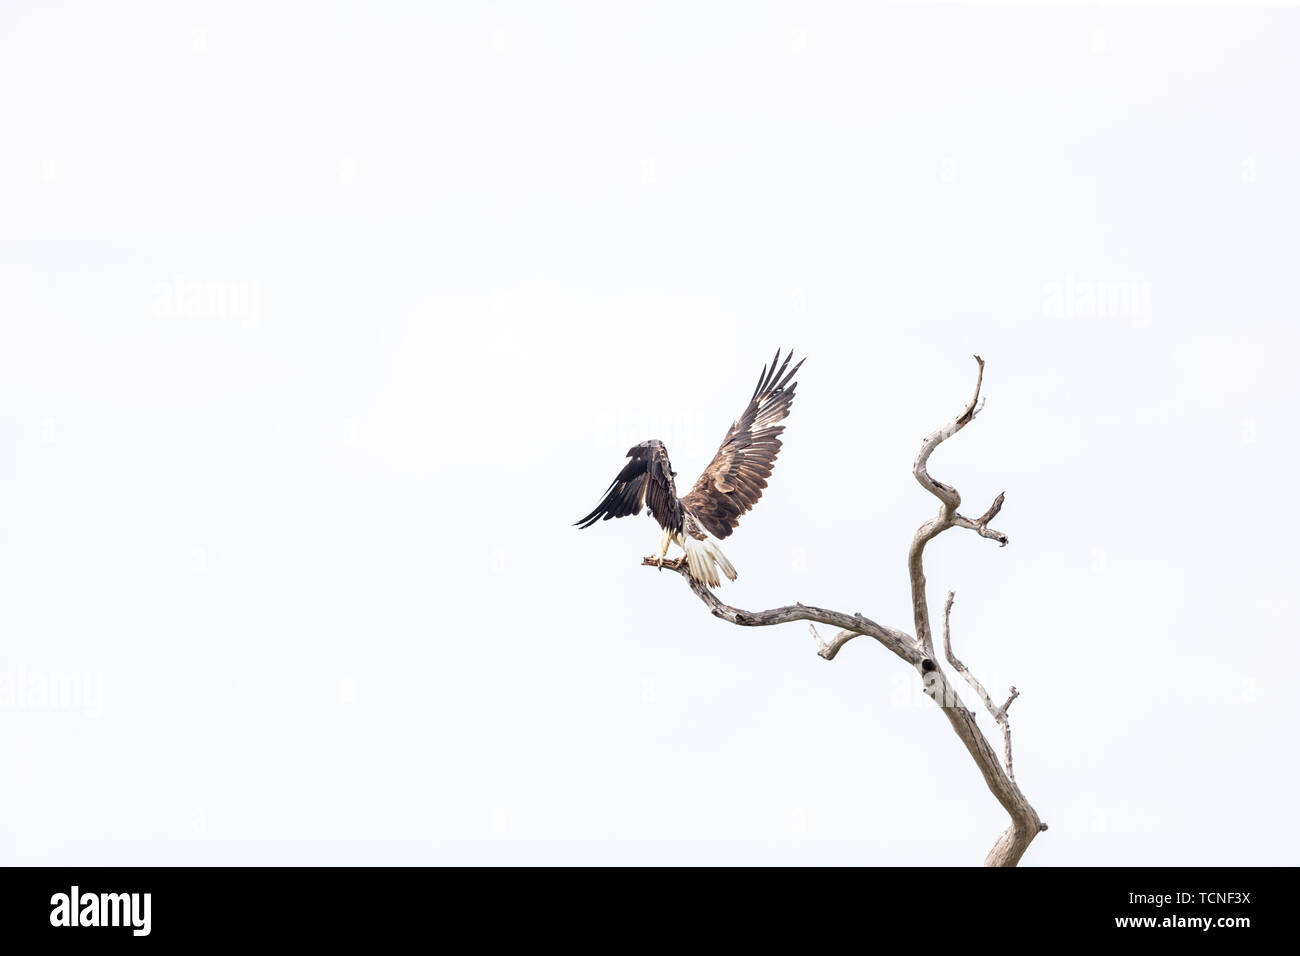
(999, 713)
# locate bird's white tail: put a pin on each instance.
(705, 559)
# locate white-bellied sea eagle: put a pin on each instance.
(730, 486)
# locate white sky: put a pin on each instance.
(319, 325)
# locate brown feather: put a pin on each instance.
(735, 479)
(646, 480)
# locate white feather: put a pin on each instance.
(705, 559)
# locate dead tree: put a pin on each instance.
(919, 650)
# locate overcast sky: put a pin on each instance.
(320, 325)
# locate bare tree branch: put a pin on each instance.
(1005, 721)
(950, 501)
(1025, 823)
(958, 666)
(999, 713)
(992, 513)
(828, 651)
(1007, 706)
(919, 651)
(895, 640)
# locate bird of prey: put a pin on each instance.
(729, 487)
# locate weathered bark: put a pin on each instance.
(919, 650)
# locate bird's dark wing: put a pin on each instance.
(735, 479)
(646, 480)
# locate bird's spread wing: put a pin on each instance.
(646, 480)
(735, 479)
